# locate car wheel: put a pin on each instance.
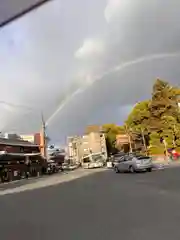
(131, 169)
(116, 170)
(149, 170)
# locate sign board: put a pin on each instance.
(13, 9)
(29, 138)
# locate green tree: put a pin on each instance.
(164, 100)
(138, 119)
(111, 131)
(158, 118)
(138, 123)
(168, 132)
(155, 145)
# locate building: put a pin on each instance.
(74, 149)
(123, 142)
(93, 142)
(33, 138)
(38, 139)
(17, 146)
(78, 147)
(17, 157)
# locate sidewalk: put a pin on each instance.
(166, 163)
(50, 181)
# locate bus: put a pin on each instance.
(93, 160)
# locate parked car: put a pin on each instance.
(52, 167)
(133, 163)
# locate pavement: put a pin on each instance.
(96, 205)
(45, 181)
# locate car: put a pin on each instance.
(133, 163)
(52, 167)
(117, 158)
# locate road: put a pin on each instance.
(103, 206)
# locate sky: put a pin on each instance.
(91, 60)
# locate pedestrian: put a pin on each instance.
(175, 154)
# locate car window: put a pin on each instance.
(119, 159)
(86, 160)
(127, 158)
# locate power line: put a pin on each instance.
(21, 13)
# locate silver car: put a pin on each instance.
(133, 163)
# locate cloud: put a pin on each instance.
(91, 48)
(141, 44)
(64, 47)
(114, 7)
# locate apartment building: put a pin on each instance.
(72, 149)
(93, 142)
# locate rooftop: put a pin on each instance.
(16, 142)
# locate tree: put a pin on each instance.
(158, 118)
(168, 130)
(138, 123)
(138, 119)
(165, 112)
(164, 100)
(155, 144)
(111, 131)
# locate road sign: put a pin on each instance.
(13, 9)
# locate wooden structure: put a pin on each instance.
(20, 159)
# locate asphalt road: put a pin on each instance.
(105, 206)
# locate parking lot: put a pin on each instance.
(102, 205)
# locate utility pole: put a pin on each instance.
(144, 141)
(129, 138)
(174, 134)
(165, 147)
(43, 137)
